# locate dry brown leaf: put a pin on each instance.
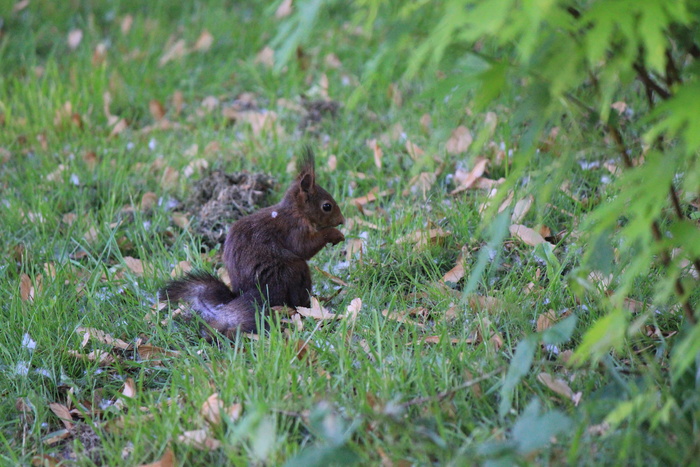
(522, 207)
(378, 153)
(460, 140)
(485, 303)
(196, 166)
(211, 409)
(75, 37)
(26, 289)
(129, 389)
(620, 106)
(127, 22)
(399, 317)
(19, 6)
(180, 219)
(560, 387)
(178, 101)
(466, 179)
(316, 311)
(422, 237)
(413, 150)
(373, 195)
(266, 57)
(56, 175)
(148, 200)
(199, 439)
(91, 235)
(633, 306)
(426, 121)
(331, 60)
(284, 10)
(353, 309)
(181, 268)
(422, 183)
(168, 460)
(546, 320)
(102, 358)
(169, 178)
(354, 247)
(204, 41)
(157, 110)
(134, 264)
(102, 337)
(62, 412)
(438, 339)
(457, 272)
(526, 234)
(601, 280)
(149, 352)
(118, 127)
(174, 52)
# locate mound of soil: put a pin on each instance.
(220, 198)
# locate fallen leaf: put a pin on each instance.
(413, 150)
(102, 358)
(465, 179)
(457, 272)
(526, 235)
(371, 197)
(129, 389)
(399, 317)
(426, 121)
(26, 289)
(74, 38)
(316, 311)
(546, 320)
(181, 220)
(62, 412)
(204, 41)
(102, 337)
(148, 201)
(378, 153)
(169, 178)
(560, 387)
(174, 52)
(149, 352)
(199, 439)
(284, 10)
(423, 237)
(19, 6)
(168, 460)
(460, 140)
(157, 110)
(354, 247)
(266, 57)
(118, 127)
(353, 309)
(521, 209)
(211, 409)
(438, 339)
(134, 264)
(127, 22)
(181, 268)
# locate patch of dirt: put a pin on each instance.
(316, 111)
(220, 198)
(91, 444)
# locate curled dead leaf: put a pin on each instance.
(526, 234)
(460, 140)
(63, 413)
(466, 179)
(168, 460)
(560, 387)
(199, 439)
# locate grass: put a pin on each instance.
(373, 391)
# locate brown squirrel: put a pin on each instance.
(265, 254)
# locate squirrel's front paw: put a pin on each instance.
(333, 235)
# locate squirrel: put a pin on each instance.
(265, 254)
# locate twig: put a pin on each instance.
(650, 83)
(442, 395)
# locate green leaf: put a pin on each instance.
(519, 367)
(686, 352)
(560, 332)
(606, 333)
(534, 431)
(678, 117)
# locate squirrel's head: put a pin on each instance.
(315, 203)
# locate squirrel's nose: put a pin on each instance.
(342, 220)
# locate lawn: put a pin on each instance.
(457, 306)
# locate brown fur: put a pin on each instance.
(265, 254)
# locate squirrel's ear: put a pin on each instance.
(307, 175)
(306, 182)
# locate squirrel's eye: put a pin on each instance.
(327, 207)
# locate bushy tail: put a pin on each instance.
(209, 297)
